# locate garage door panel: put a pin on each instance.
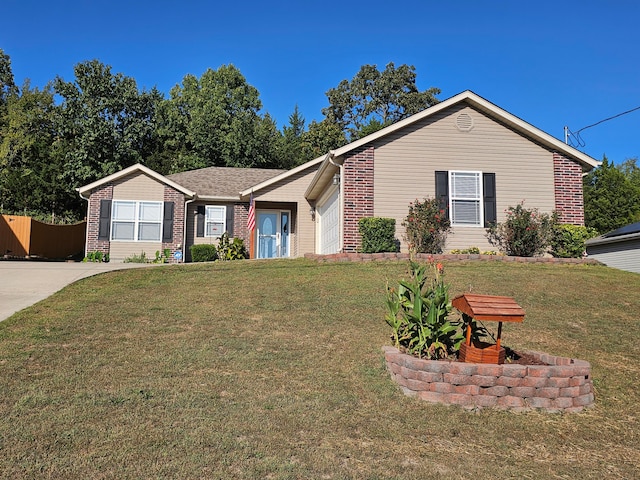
(329, 219)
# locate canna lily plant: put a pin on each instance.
(418, 312)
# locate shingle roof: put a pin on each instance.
(222, 182)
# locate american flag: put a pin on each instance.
(251, 221)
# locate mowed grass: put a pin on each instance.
(251, 370)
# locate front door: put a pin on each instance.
(274, 228)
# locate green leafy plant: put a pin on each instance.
(96, 257)
(470, 250)
(426, 226)
(204, 253)
(418, 312)
(525, 232)
(569, 240)
(377, 234)
(231, 250)
(142, 258)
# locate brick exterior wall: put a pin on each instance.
(104, 192)
(172, 195)
(567, 176)
(240, 217)
(357, 191)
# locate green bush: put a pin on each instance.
(525, 233)
(377, 234)
(569, 240)
(426, 226)
(231, 250)
(203, 253)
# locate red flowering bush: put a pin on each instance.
(426, 226)
(525, 233)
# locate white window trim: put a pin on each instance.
(480, 199)
(206, 220)
(136, 220)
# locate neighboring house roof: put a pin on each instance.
(128, 171)
(475, 101)
(622, 234)
(223, 183)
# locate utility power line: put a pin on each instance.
(576, 135)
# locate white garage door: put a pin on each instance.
(329, 224)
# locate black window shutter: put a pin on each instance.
(489, 189)
(200, 221)
(442, 190)
(167, 222)
(230, 220)
(105, 220)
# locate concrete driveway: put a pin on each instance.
(23, 283)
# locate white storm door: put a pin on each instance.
(329, 224)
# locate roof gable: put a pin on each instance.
(491, 110)
(536, 135)
(133, 169)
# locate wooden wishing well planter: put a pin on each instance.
(486, 307)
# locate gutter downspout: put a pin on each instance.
(340, 199)
(184, 228)
(86, 230)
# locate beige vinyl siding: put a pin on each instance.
(137, 186)
(192, 238)
(291, 190)
(405, 162)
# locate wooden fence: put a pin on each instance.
(26, 237)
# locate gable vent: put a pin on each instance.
(464, 122)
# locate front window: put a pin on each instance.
(466, 198)
(215, 220)
(136, 221)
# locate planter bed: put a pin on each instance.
(559, 385)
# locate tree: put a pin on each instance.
(320, 138)
(214, 121)
(631, 170)
(292, 140)
(611, 200)
(104, 122)
(30, 171)
(386, 97)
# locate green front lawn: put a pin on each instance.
(274, 369)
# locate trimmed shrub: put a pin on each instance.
(377, 234)
(568, 240)
(426, 226)
(203, 253)
(525, 233)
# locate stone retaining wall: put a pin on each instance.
(368, 257)
(563, 385)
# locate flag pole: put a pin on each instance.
(251, 225)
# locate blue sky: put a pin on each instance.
(551, 63)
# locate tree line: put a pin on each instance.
(71, 133)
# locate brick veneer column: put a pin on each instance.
(357, 190)
(104, 192)
(173, 195)
(240, 217)
(567, 176)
